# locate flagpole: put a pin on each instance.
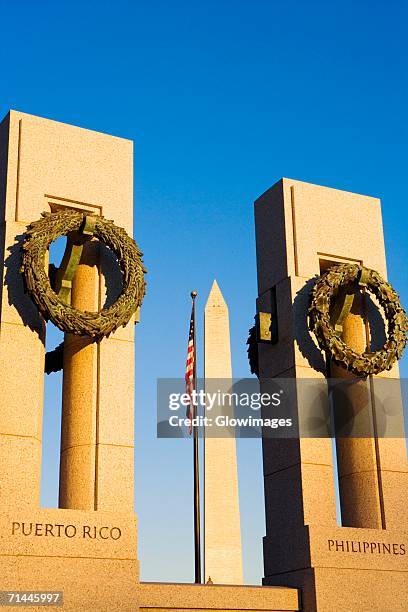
(197, 524)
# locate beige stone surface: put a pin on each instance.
(111, 535)
(63, 163)
(349, 569)
(116, 395)
(314, 223)
(20, 461)
(87, 584)
(90, 556)
(80, 395)
(297, 495)
(115, 493)
(348, 548)
(394, 485)
(156, 596)
(222, 528)
(299, 481)
(360, 500)
(80, 385)
(21, 377)
(331, 223)
(77, 477)
(21, 353)
(345, 591)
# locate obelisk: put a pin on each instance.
(222, 530)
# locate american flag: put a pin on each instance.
(190, 367)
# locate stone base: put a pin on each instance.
(343, 569)
(89, 556)
(199, 598)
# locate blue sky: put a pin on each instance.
(222, 99)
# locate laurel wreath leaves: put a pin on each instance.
(322, 298)
(41, 234)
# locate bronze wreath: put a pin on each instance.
(322, 298)
(38, 238)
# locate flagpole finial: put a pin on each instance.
(193, 294)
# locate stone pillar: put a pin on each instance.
(93, 433)
(87, 547)
(359, 488)
(222, 531)
(302, 229)
(80, 395)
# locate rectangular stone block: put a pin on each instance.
(22, 375)
(394, 484)
(285, 453)
(57, 533)
(114, 478)
(341, 590)
(116, 392)
(69, 164)
(271, 255)
(20, 461)
(216, 597)
(347, 547)
(86, 583)
(285, 490)
(325, 222)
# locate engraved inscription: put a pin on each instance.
(355, 546)
(55, 530)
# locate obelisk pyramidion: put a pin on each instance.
(222, 530)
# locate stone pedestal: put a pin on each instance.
(302, 229)
(89, 556)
